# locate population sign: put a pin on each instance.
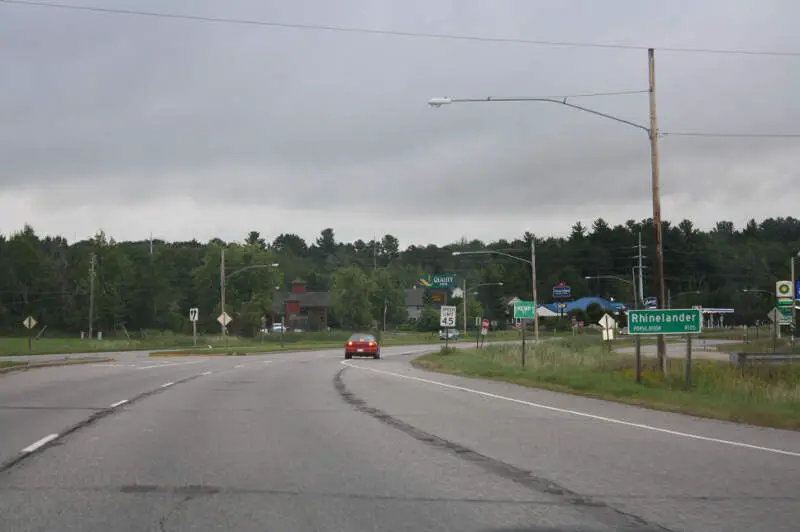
(524, 310)
(662, 321)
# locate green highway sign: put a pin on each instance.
(523, 310)
(437, 280)
(659, 321)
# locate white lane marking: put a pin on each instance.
(238, 366)
(206, 373)
(105, 365)
(44, 441)
(580, 414)
(167, 384)
(165, 365)
(119, 403)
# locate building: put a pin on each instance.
(301, 309)
(308, 311)
(414, 300)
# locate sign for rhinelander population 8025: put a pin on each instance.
(661, 321)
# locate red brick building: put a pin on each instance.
(301, 309)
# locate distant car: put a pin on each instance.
(362, 345)
(448, 334)
(278, 327)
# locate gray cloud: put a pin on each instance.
(102, 113)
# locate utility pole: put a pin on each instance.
(533, 280)
(222, 288)
(641, 269)
(793, 329)
(374, 252)
(464, 289)
(92, 264)
(656, 190)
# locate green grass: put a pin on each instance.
(166, 341)
(760, 346)
(10, 364)
(763, 395)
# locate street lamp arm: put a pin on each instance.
(563, 102)
(248, 268)
(608, 277)
(491, 252)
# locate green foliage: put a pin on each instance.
(428, 319)
(139, 290)
(350, 298)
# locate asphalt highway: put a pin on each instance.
(308, 441)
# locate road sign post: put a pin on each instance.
(663, 321)
(447, 319)
(29, 324)
(194, 313)
(608, 323)
(524, 310)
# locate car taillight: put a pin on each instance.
(350, 343)
(372, 344)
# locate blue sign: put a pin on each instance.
(797, 289)
(651, 302)
(562, 291)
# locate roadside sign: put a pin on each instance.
(485, 327)
(561, 306)
(524, 310)
(224, 318)
(780, 315)
(29, 322)
(783, 289)
(784, 302)
(447, 316)
(437, 280)
(607, 322)
(477, 321)
(194, 312)
(562, 291)
(662, 321)
(797, 289)
(651, 302)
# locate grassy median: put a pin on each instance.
(761, 395)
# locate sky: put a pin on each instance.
(184, 129)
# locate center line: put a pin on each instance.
(44, 441)
(167, 384)
(119, 403)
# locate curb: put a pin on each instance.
(68, 362)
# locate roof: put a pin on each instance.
(414, 297)
(306, 300)
(584, 302)
(299, 281)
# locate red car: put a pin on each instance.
(362, 345)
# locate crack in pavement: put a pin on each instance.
(601, 511)
(97, 415)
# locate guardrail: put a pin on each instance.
(769, 358)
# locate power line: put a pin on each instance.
(395, 33)
(731, 135)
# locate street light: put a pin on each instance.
(532, 263)
(679, 294)
(652, 133)
(223, 278)
(794, 299)
(616, 278)
(465, 297)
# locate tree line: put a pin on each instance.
(150, 285)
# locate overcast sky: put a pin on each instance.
(200, 130)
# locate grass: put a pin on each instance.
(760, 346)
(10, 364)
(763, 395)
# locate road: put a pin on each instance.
(308, 441)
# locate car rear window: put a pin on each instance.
(362, 338)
